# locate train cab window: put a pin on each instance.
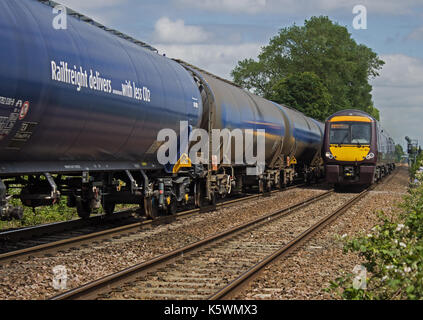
(360, 133)
(350, 133)
(339, 133)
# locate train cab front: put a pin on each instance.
(349, 149)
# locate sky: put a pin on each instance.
(216, 34)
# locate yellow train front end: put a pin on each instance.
(350, 148)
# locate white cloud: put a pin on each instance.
(398, 95)
(168, 31)
(215, 58)
(401, 71)
(236, 6)
(302, 7)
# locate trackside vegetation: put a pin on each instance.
(392, 252)
(41, 215)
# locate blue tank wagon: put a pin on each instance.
(82, 100)
(81, 108)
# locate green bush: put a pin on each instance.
(414, 167)
(393, 255)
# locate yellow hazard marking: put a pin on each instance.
(347, 152)
(183, 162)
(293, 160)
(350, 118)
(121, 184)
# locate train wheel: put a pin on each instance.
(71, 203)
(199, 194)
(212, 198)
(307, 178)
(172, 207)
(374, 179)
(280, 184)
(150, 207)
(83, 208)
(261, 186)
(268, 187)
(108, 206)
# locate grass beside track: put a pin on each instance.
(42, 215)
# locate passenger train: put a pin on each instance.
(356, 149)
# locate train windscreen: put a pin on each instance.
(350, 133)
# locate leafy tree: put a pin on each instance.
(374, 112)
(304, 92)
(399, 152)
(323, 48)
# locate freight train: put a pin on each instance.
(81, 109)
(356, 150)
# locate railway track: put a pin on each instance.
(213, 268)
(235, 286)
(173, 263)
(21, 238)
(63, 235)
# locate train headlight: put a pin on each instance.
(371, 155)
(329, 155)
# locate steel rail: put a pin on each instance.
(235, 286)
(107, 283)
(27, 233)
(126, 228)
(95, 287)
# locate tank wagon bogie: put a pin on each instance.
(84, 122)
(356, 150)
